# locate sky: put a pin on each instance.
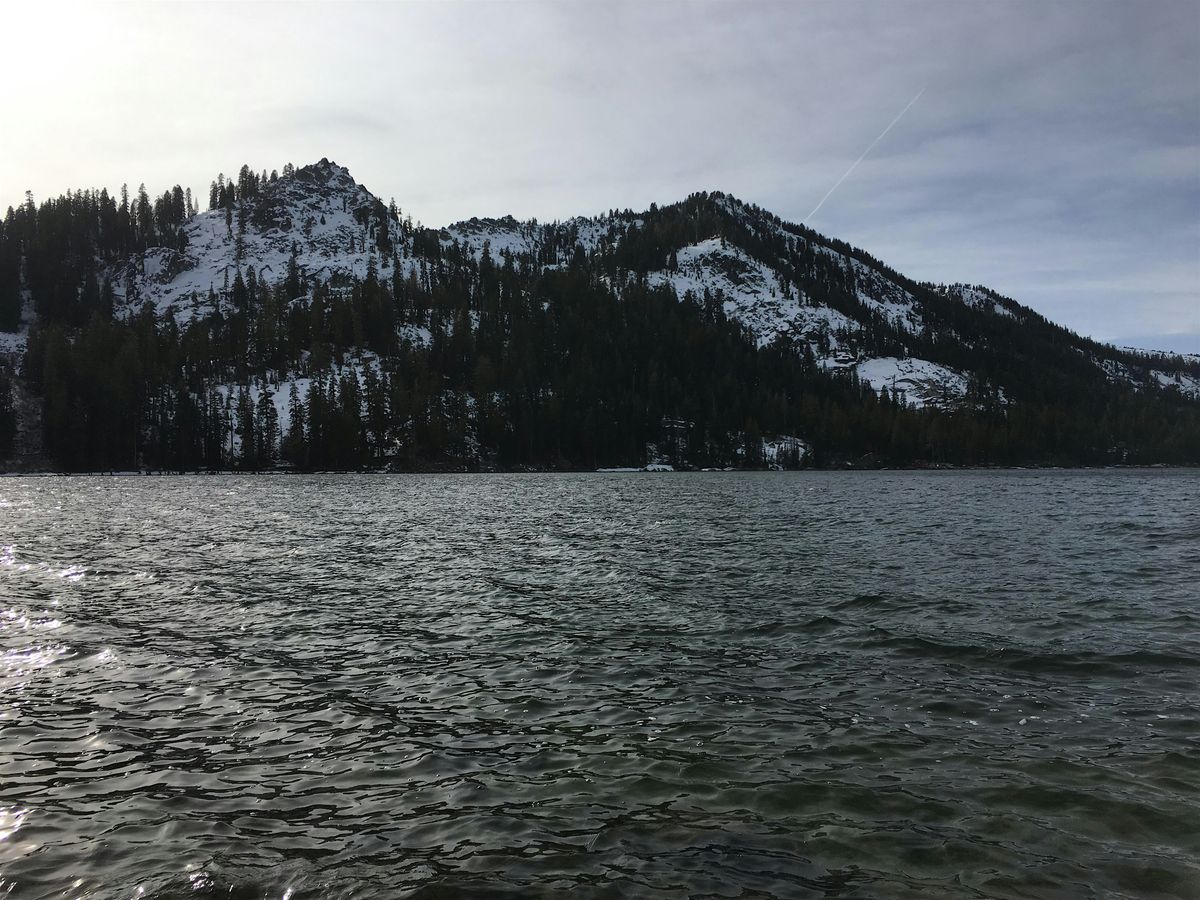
(1052, 152)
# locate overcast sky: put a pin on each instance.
(1054, 154)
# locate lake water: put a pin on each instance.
(799, 685)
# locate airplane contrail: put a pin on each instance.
(854, 165)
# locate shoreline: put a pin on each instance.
(191, 473)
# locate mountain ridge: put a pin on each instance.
(326, 173)
(316, 240)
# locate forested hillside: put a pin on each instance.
(301, 322)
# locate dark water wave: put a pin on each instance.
(809, 685)
(978, 657)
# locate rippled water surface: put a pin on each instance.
(793, 685)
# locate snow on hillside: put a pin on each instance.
(320, 209)
(979, 298)
(1192, 358)
(590, 232)
(922, 382)
(886, 297)
(501, 235)
(749, 290)
(332, 223)
(874, 290)
(280, 391)
(1183, 382)
(280, 395)
(13, 342)
(783, 451)
(751, 294)
(523, 238)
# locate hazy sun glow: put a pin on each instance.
(1057, 164)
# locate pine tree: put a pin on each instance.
(248, 458)
(241, 295)
(293, 276)
(295, 443)
(268, 427)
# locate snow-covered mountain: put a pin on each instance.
(332, 224)
(782, 282)
(302, 320)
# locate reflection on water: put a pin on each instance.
(810, 684)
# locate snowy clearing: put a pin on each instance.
(922, 382)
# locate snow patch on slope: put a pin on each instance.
(922, 382)
(508, 235)
(887, 298)
(751, 294)
(1183, 382)
(13, 342)
(280, 390)
(505, 235)
(979, 298)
